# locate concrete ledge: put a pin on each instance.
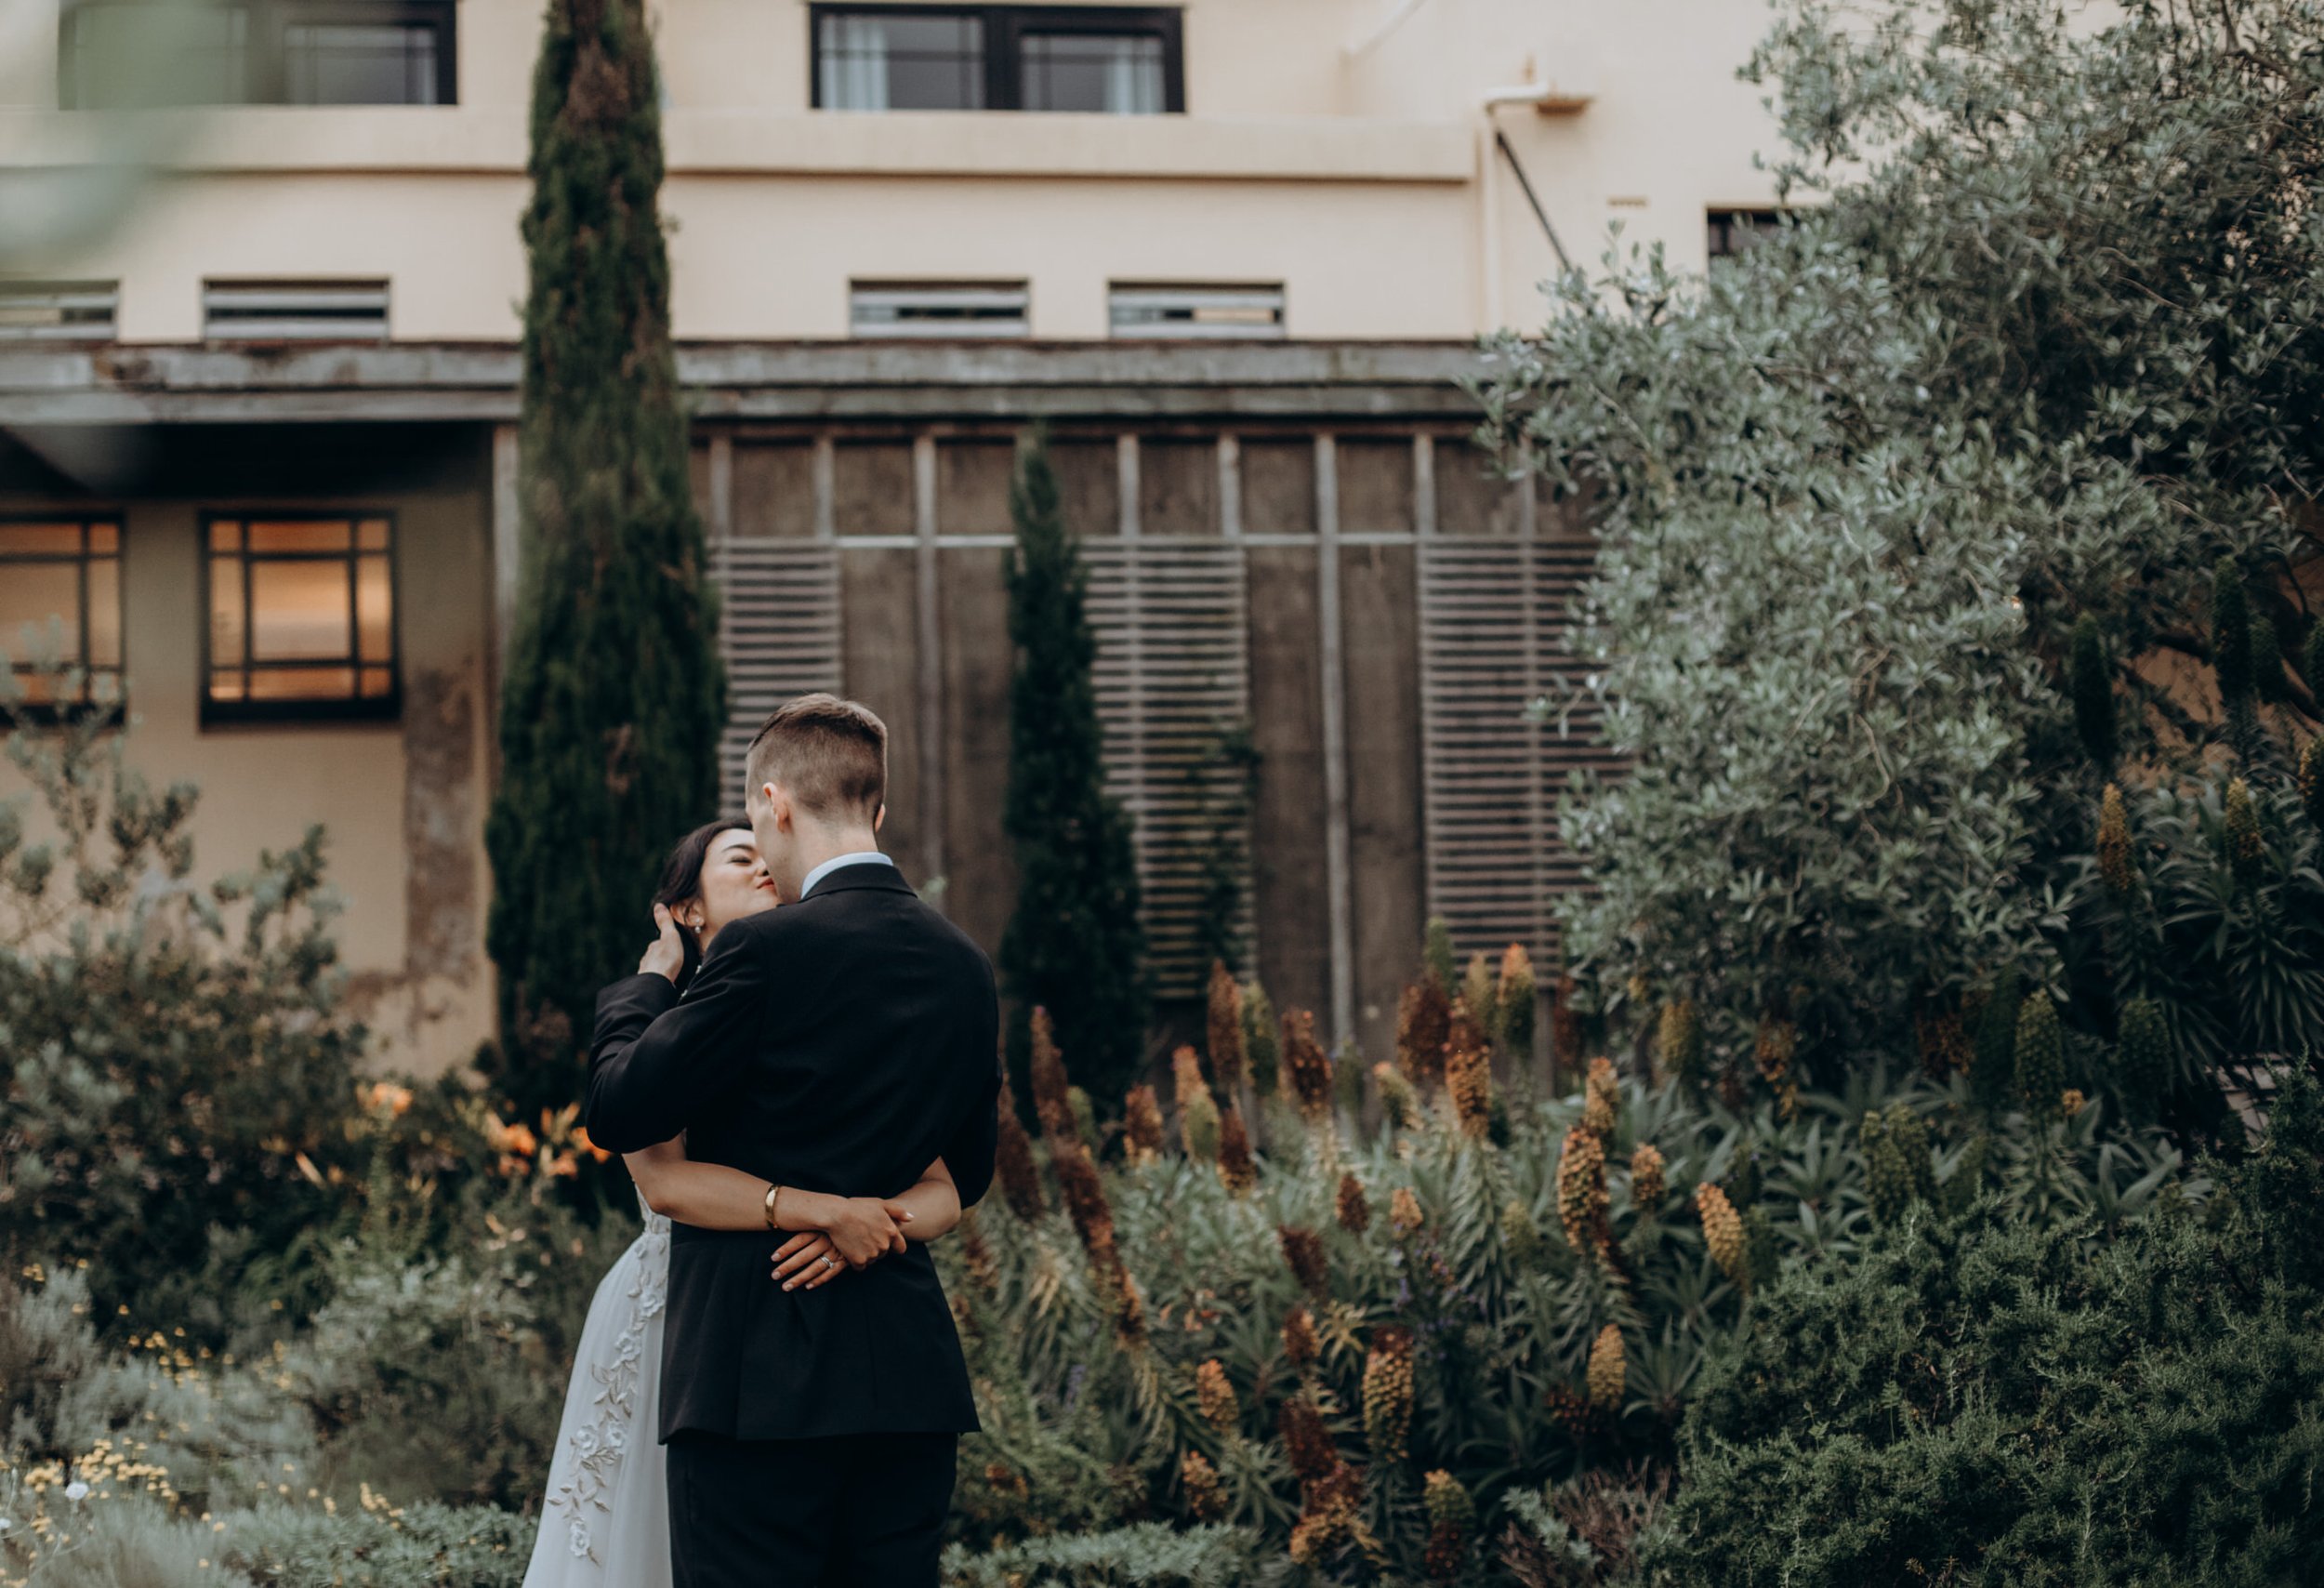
(396, 138)
(167, 384)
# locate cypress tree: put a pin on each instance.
(1074, 944)
(613, 696)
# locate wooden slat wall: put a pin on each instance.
(1171, 677)
(778, 630)
(1494, 630)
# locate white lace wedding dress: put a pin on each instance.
(605, 1522)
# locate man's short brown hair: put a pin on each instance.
(829, 755)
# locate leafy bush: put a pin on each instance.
(380, 1546)
(1324, 1357)
(1985, 1403)
(1912, 516)
(1150, 1555)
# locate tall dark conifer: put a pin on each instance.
(1074, 946)
(612, 698)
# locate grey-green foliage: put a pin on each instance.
(1983, 1403)
(1855, 489)
(1149, 1556)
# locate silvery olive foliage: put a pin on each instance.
(2040, 340)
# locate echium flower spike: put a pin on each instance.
(1262, 1048)
(1452, 1516)
(1423, 1026)
(1581, 1199)
(1141, 1125)
(1224, 1024)
(1608, 1373)
(1350, 1206)
(2146, 1058)
(1399, 1104)
(1514, 1002)
(1469, 1074)
(1679, 1040)
(2040, 1056)
(1214, 1396)
(1052, 1103)
(1020, 1177)
(1646, 1169)
(1388, 1395)
(1305, 1064)
(1601, 1095)
(1300, 1347)
(2247, 848)
(1481, 990)
(1722, 1232)
(1238, 1171)
(1197, 1110)
(2312, 773)
(1303, 1254)
(1205, 1501)
(2116, 867)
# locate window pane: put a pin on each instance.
(226, 684)
(32, 597)
(303, 684)
(1112, 74)
(104, 612)
(299, 610)
(359, 63)
(373, 536)
(226, 629)
(225, 535)
(40, 539)
(104, 538)
(119, 56)
(300, 535)
(378, 683)
(374, 610)
(901, 63)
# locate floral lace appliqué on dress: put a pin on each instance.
(620, 1348)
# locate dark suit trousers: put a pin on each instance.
(852, 1511)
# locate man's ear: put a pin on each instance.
(778, 806)
(880, 817)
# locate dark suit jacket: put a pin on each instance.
(839, 1044)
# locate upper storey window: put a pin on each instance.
(1100, 60)
(119, 54)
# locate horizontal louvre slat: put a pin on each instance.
(1496, 636)
(779, 634)
(1170, 675)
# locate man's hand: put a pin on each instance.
(666, 955)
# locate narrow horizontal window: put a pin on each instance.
(939, 309)
(1093, 60)
(57, 311)
(295, 311)
(1732, 231)
(302, 618)
(123, 54)
(60, 610)
(1209, 311)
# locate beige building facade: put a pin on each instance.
(257, 382)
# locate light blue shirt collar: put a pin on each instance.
(862, 857)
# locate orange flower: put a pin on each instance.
(581, 1140)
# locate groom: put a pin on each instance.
(839, 1044)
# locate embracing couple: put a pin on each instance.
(805, 1095)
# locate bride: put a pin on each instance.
(605, 1521)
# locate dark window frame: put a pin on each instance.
(48, 712)
(1735, 227)
(388, 707)
(1005, 28)
(266, 70)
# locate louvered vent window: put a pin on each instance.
(1173, 683)
(57, 311)
(1225, 313)
(940, 309)
(1493, 631)
(778, 633)
(295, 311)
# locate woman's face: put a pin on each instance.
(735, 883)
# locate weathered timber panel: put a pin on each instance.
(1178, 486)
(871, 488)
(774, 490)
(980, 877)
(1278, 486)
(1374, 485)
(1287, 842)
(881, 668)
(972, 486)
(1388, 863)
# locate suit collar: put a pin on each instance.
(872, 874)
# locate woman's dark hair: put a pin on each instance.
(682, 884)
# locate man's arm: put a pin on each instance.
(968, 1155)
(655, 1062)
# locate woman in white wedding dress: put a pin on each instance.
(605, 1519)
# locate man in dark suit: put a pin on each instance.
(835, 1047)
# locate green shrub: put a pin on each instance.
(1986, 1402)
(376, 1547)
(1151, 1555)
